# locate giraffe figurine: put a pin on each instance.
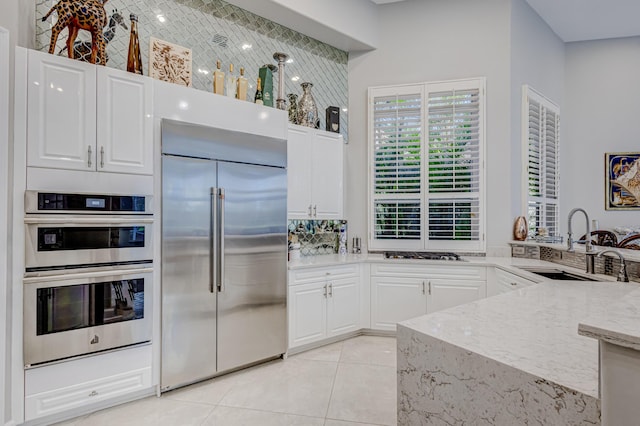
(80, 15)
(82, 49)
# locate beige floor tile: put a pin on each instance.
(296, 386)
(230, 416)
(330, 422)
(208, 392)
(364, 393)
(72, 422)
(370, 350)
(151, 411)
(325, 353)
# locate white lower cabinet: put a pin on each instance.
(55, 388)
(396, 299)
(444, 294)
(400, 292)
(504, 282)
(323, 303)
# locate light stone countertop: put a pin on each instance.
(619, 323)
(533, 329)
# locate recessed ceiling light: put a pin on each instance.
(246, 46)
(295, 78)
(289, 61)
(345, 109)
(161, 18)
(201, 71)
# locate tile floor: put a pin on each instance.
(347, 383)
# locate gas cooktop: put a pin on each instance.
(428, 255)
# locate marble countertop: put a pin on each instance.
(619, 323)
(547, 329)
(533, 329)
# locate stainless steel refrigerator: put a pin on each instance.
(224, 251)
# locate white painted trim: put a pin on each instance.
(4, 210)
(17, 265)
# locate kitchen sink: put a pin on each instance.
(558, 274)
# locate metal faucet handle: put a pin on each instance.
(622, 275)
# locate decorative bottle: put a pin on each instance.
(218, 80)
(232, 83)
(307, 109)
(258, 98)
(242, 86)
(134, 59)
(293, 108)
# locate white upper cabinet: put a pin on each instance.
(124, 122)
(299, 202)
(86, 117)
(61, 112)
(315, 174)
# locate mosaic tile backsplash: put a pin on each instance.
(215, 29)
(603, 265)
(315, 236)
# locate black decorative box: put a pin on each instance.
(333, 119)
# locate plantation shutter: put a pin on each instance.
(396, 135)
(426, 151)
(454, 168)
(542, 147)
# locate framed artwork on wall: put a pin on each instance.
(622, 180)
(169, 62)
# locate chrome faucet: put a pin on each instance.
(622, 275)
(588, 246)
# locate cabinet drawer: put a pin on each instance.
(87, 369)
(511, 281)
(458, 272)
(64, 399)
(335, 272)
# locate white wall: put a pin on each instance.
(537, 59)
(428, 41)
(601, 114)
(5, 323)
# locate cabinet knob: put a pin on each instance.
(315, 211)
(89, 156)
(310, 211)
(102, 157)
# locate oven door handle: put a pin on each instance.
(64, 275)
(95, 220)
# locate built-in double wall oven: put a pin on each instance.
(88, 274)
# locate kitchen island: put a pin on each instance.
(515, 358)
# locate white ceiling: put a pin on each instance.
(577, 20)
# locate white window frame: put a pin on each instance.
(529, 93)
(424, 243)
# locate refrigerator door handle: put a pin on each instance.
(213, 258)
(221, 253)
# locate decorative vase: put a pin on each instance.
(307, 109)
(293, 108)
(520, 229)
(134, 58)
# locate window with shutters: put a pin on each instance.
(541, 122)
(426, 180)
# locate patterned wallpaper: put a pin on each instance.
(215, 29)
